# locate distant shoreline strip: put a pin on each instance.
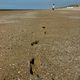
(20, 9)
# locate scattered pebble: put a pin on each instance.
(0, 68)
(13, 64)
(19, 79)
(19, 72)
(1, 55)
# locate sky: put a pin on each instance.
(34, 4)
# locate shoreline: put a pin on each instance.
(69, 8)
(21, 9)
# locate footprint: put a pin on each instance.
(31, 64)
(31, 71)
(32, 61)
(35, 42)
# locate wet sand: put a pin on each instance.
(40, 45)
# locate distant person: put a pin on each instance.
(53, 6)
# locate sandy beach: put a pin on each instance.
(40, 45)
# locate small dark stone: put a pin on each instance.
(32, 44)
(37, 75)
(43, 27)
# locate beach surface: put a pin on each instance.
(40, 45)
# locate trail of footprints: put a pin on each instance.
(37, 41)
(32, 61)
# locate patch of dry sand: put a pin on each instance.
(12, 18)
(40, 45)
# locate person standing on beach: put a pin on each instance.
(53, 6)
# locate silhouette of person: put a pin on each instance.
(53, 6)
